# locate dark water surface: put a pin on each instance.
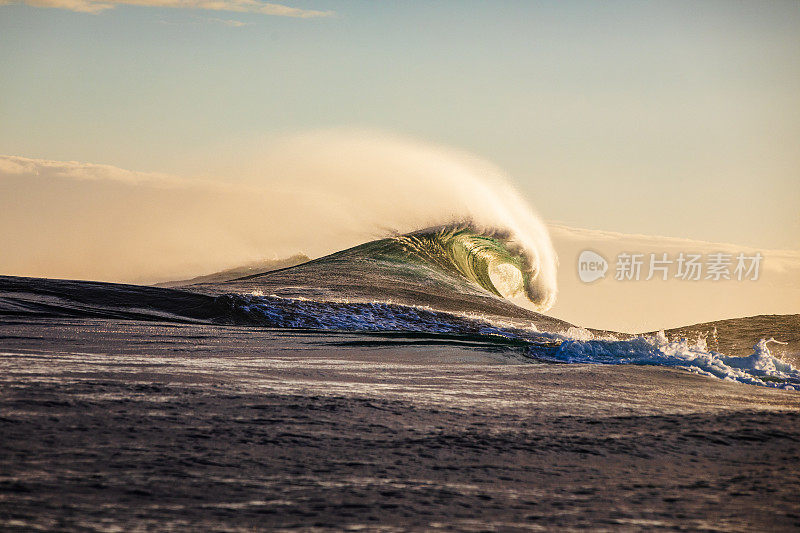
(122, 425)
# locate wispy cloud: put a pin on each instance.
(14, 166)
(232, 23)
(229, 22)
(238, 6)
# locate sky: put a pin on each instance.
(669, 118)
(672, 119)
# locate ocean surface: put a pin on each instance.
(412, 382)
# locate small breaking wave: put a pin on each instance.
(572, 346)
(758, 368)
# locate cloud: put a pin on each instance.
(229, 22)
(239, 6)
(634, 240)
(11, 165)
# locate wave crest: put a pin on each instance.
(492, 259)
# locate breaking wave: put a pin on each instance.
(492, 259)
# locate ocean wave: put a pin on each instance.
(462, 281)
